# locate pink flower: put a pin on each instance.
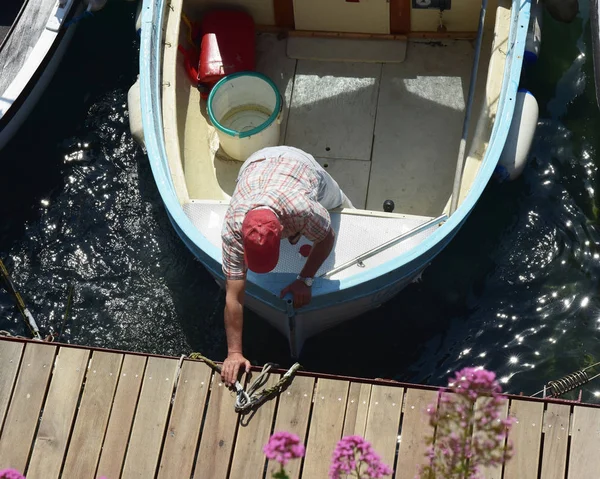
(283, 446)
(10, 474)
(473, 382)
(467, 437)
(352, 453)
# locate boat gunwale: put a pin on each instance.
(151, 94)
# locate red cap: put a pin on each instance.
(261, 235)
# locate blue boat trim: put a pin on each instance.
(259, 128)
(524, 90)
(210, 255)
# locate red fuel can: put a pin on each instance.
(228, 46)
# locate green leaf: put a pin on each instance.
(280, 475)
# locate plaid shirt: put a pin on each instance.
(289, 188)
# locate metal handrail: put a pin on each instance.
(387, 244)
(463, 141)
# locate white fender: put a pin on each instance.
(534, 33)
(135, 113)
(520, 136)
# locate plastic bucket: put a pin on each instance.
(245, 108)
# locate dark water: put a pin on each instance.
(516, 291)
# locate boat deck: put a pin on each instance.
(382, 130)
(16, 42)
(77, 413)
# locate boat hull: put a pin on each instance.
(36, 84)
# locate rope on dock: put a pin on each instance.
(250, 399)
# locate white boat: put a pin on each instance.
(34, 39)
(381, 94)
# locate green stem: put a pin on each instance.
(358, 463)
(281, 474)
(468, 431)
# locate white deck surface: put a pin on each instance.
(332, 114)
(354, 236)
(386, 131)
(419, 123)
(352, 176)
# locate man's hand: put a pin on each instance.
(302, 293)
(231, 367)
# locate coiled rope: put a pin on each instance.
(249, 399)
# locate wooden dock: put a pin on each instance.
(78, 413)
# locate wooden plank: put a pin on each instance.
(92, 418)
(463, 16)
(493, 472)
(10, 358)
(371, 16)
(415, 428)
(383, 421)
(556, 438)
(444, 35)
(584, 460)
(284, 13)
(186, 419)
(293, 412)
(322, 34)
(253, 433)
(121, 416)
(357, 409)
(27, 399)
(526, 436)
(218, 433)
(59, 411)
(150, 419)
(400, 16)
(326, 426)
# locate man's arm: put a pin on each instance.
(234, 323)
(318, 254)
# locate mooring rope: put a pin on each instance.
(254, 396)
